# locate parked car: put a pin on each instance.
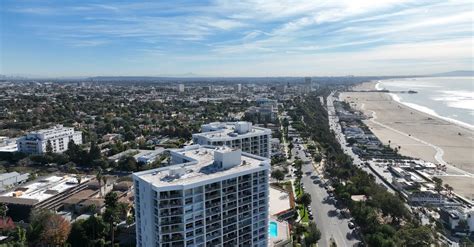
(351, 225)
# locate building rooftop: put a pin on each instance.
(43, 189)
(8, 175)
(199, 163)
(223, 130)
(279, 201)
(50, 130)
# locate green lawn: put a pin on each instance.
(304, 213)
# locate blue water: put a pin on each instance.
(451, 98)
(273, 229)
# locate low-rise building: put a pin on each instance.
(140, 155)
(47, 193)
(426, 198)
(242, 135)
(451, 216)
(58, 137)
(8, 145)
(12, 179)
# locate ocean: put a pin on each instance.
(450, 98)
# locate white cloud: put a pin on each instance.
(258, 37)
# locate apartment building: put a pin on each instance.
(59, 137)
(242, 135)
(209, 196)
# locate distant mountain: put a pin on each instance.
(456, 73)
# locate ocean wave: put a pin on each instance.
(457, 99)
(406, 85)
(431, 112)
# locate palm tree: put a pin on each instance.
(99, 176)
(111, 213)
(104, 180)
(449, 188)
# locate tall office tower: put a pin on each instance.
(243, 135)
(181, 88)
(58, 136)
(209, 196)
(239, 87)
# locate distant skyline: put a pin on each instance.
(234, 38)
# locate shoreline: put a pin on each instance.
(426, 110)
(419, 135)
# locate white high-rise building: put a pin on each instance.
(251, 139)
(180, 88)
(209, 196)
(59, 137)
(239, 87)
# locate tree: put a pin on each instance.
(313, 236)
(47, 228)
(49, 147)
(74, 151)
(95, 229)
(412, 236)
(463, 225)
(291, 146)
(77, 236)
(285, 123)
(38, 217)
(3, 210)
(305, 199)
(278, 175)
(438, 183)
(127, 163)
(98, 177)
(21, 236)
(111, 214)
(449, 188)
(94, 152)
(90, 232)
(56, 230)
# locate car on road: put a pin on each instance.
(351, 225)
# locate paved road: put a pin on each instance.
(336, 127)
(326, 217)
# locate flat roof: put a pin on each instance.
(8, 175)
(200, 167)
(44, 188)
(279, 201)
(139, 153)
(228, 130)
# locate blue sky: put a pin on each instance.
(234, 38)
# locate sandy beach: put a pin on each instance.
(419, 135)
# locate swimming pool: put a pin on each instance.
(273, 229)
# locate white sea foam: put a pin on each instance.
(377, 86)
(430, 112)
(457, 99)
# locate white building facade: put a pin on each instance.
(59, 137)
(210, 196)
(242, 135)
(181, 88)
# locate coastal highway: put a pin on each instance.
(332, 225)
